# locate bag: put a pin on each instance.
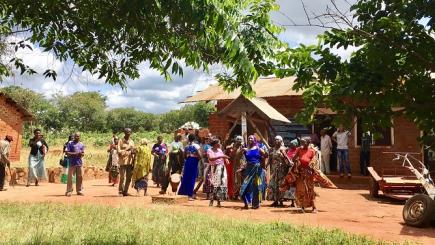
(63, 163)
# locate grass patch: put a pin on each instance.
(96, 145)
(94, 155)
(49, 223)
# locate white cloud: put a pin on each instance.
(151, 93)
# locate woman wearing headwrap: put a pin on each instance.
(304, 174)
(142, 167)
(253, 175)
(175, 165)
(159, 151)
(190, 169)
(279, 167)
(292, 149)
(305, 160)
(217, 160)
(112, 164)
(290, 190)
(207, 187)
(237, 160)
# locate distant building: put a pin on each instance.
(280, 95)
(12, 118)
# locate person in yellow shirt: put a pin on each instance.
(142, 167)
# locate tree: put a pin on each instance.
(388, 75)
(112, 37)
(174, 119)
(84, 111)
(201, 112)
(121, 118)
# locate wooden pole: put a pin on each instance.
(244, 127)
(258, 132)
(233, 127)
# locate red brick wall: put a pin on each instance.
(11, 123)
(287, 105)
(404, 140)
(405, 133)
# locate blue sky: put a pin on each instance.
(151, 93)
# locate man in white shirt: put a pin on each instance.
(325, 149)
(341, 137)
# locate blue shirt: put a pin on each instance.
(76, 147)
(253, 156)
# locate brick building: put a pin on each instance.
(402, 137)
(12, 117)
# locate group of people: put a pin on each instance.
(341, 138)
(74, 152)
(235, 171)
(129, 164)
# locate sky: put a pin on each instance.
(151, 93)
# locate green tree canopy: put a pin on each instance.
(112, 37)
(87, 111)
(84, 111)
(121, 118)
(388, 75)
(198, 112)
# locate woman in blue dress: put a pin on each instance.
(253, 174)
(190, 170)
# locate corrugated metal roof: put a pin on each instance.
(264, 87)
(253, 105)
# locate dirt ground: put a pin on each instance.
(350, 210)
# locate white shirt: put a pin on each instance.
(342, 139)
(325, 144)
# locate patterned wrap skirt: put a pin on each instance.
(219, 182)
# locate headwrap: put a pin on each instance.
(279, 138)
(294, 142)
(307, 139)
(239, 138)
(255, 142)
(143, 141)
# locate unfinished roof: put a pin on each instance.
(27, 116)
(264, 87)
(251, 106)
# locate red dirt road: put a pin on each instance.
(350, 210)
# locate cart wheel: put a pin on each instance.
(373, 188)
(418, 210)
